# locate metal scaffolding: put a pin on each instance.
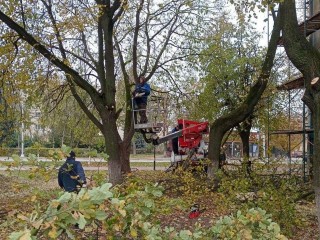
(309, 26)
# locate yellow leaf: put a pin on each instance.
(134, 233)
(26, 235)
(52, 233)
(123, 212)
(116, 227)
(37, 223)
(33, 198)
(55, 204)
(122, 203)
(22, 217)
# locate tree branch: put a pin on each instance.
(48, 55)
(85, 108)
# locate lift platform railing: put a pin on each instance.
(154, 111)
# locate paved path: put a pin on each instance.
(25, 168)
(132, 159)
(144, 159)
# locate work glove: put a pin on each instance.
(139, 94)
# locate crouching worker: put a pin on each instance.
(71, 175)
(140, 94)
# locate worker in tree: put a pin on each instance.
(141, 92)
(71, 175)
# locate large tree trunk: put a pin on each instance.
(220, 126)
(113, 150)
(125, 158)
(215, 138)
(307, 59)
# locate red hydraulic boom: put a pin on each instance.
(189, 134)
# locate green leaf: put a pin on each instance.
(104, 156)
(93, 153)
(15, 235)
(149, 203)
(65, 197)
(82, 222)
(238, 214)
(145, 211)
(70, 235)
(101, 215)
(157, 193)
(106, 187)
(25, 235)
(100, 194)
(65, 149)
(185, 234)
(97, 196)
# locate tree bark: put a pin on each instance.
(307, 59)
(244, 133)
(125, 158)
(220, 126)
(113, 143)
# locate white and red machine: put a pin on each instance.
(189, 134)
(190, 137)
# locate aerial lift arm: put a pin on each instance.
(190, 133)
(157, 140)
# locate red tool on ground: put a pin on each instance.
(195, 211)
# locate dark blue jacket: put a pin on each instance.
(71, 175)
(175, 140)
(142, 88)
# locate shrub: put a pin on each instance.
(272, 192)
(253, 224)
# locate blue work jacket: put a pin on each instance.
(71, 175)
(142, 88)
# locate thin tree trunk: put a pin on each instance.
(128, 131)
(244, 133)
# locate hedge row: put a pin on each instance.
(41, 152)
